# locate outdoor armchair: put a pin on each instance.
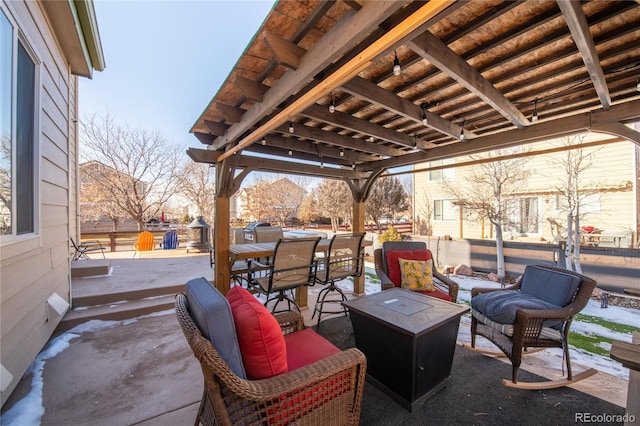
(536, 312)
(83, 249)
(386, 260)
(316, 383)
(145, 242)
(170, 240)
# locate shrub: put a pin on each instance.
(391, 234)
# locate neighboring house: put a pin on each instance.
(274, 201)
(609, 186)
(44, 47)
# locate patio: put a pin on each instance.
(152, 377)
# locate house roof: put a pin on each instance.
(76, 26)
(479, 68)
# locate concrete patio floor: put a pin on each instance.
(142, 371)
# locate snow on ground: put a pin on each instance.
(30, 409)
(615, 314)
(553, 356)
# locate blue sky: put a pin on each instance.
(165, 60)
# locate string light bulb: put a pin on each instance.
(396, 64)
(534, 116)
(424, 116)
(264, 141)
(638, 85)
(291, 128)
(332, 105)
(341, 152)
(462, 136)
(353, 165)
(290, 152)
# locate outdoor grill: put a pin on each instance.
(198, 235)
(250, 230)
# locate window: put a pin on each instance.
(524, 214)
(445, 210)
(17, 132)
(448, 173)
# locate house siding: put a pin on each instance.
(35, 267)
(613, 173)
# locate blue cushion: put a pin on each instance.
(501, 306)
(556, 287)
(211, 312)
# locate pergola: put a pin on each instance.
(348, 89)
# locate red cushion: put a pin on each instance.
(437, 294)
(305, 347)
(262, 345)
(394, 266)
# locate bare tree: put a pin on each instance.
(334, 201)
(574, 195)
(388, 198)
(6, 221)
(145, 165)
(197, 184)
(96, 201)
(489, 194)
(309, 210)
(423, 217)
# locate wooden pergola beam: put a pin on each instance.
(375, 94)
(285, 52)
(251, 89)
(577, 23)
(334, 138)
(317, 149)
(343, 73)
(231, 114)
(440, 55)
(587, 121)
(349, 122)
(350, 31)
(216, 129)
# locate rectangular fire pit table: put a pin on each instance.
(409, 340)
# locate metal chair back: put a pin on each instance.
(293, 263)
(344, 258)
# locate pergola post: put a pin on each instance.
(358, 226)
(222, 275)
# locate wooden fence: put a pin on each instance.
(613, 268)
(125, 240)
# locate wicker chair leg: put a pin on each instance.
(565, 347)
(474, 326)
(514, 373)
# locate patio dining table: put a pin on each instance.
(262, 250)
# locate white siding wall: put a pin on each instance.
(34, 268)
(612, 173)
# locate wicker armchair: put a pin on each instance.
(534, 327)
(326, 392)
(443, 284)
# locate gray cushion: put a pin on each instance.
(501, 306)
(211, 312)
(556, 287)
